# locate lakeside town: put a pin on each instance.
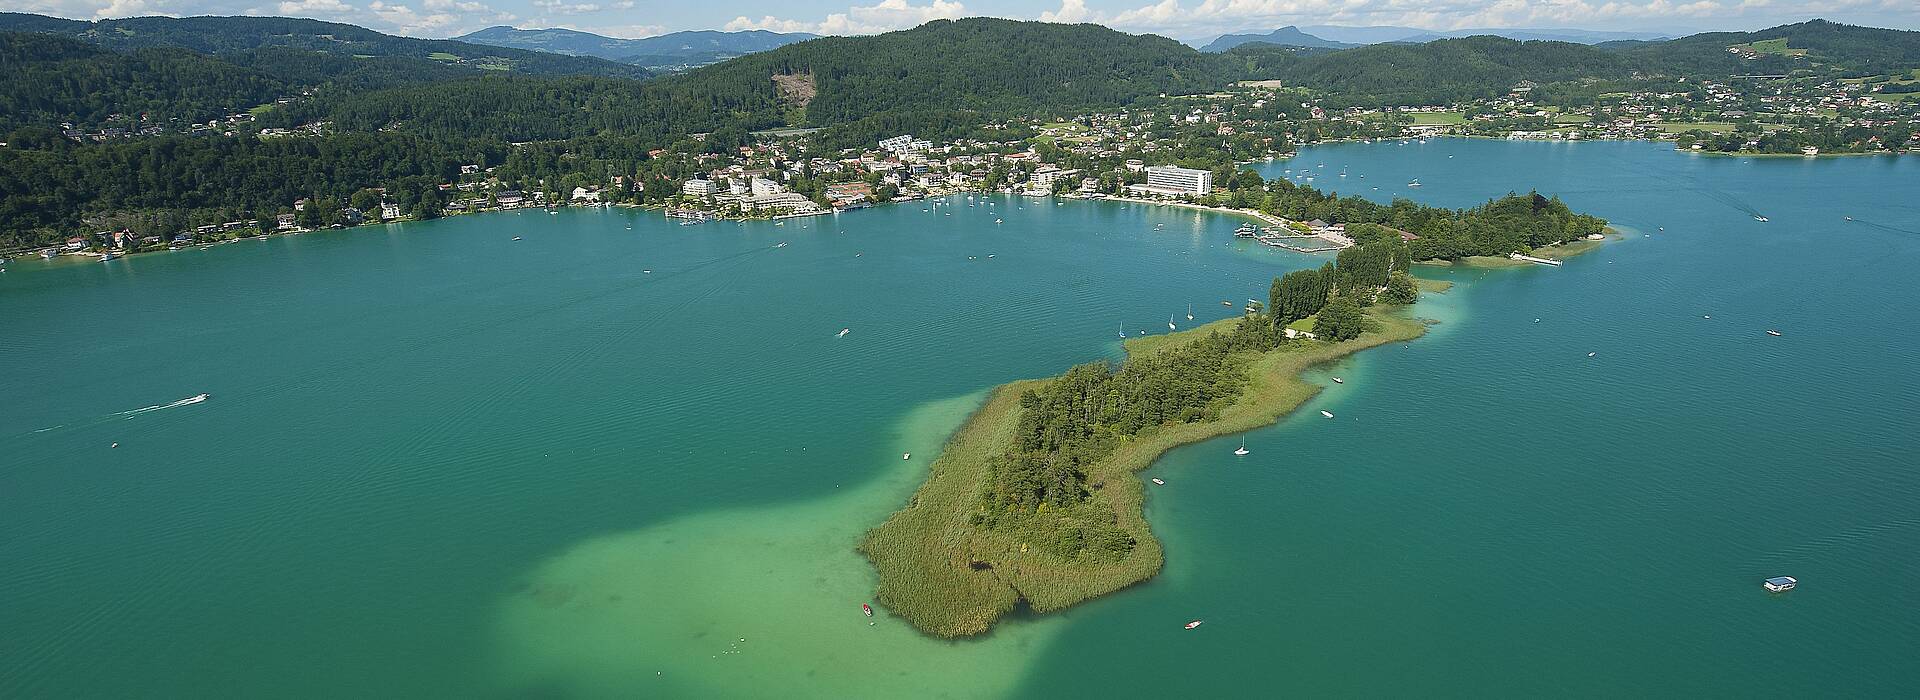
(1172, 150)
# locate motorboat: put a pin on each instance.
(1195, 623)
(1780, 584)
(868, 609)
(1773, 333)
(1326, 414)
(1158, 482)
(1338, 380)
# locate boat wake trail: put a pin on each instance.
(1730, 200)
(189, 401)
(125, 415)
(1885, 227)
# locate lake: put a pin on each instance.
(624, 457)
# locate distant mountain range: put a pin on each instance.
(1284, 36)
(1411, 35)
(676, 50)
(269, 38)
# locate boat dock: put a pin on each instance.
(1531, 259)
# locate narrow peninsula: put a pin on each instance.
(1034, 498)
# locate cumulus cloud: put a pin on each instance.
(1071, 12)
(305, 8)
(97, 9)
(886, 15)
(561, 7)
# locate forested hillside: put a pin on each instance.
(1846, 47)
(232, 35)
(53, 79)
(930, 73)
(1444, 71)
(977, 64)
(400, 112)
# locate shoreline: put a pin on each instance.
(1557, 251)
(1259, 216)
(950, 578)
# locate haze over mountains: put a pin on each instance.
(1337, 37)
(1392, 34)
(675, 50)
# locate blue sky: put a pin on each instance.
(1181, 19)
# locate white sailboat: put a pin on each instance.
(1123, 330)
(1243, 447)
(1170, 325)
(1189, 311)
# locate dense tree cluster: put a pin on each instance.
(52, 79)
(1078, 418)
(1514, 223)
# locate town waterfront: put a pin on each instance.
(624, 457)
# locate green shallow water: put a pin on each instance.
(440, 463)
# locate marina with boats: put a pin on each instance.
(1327, 238)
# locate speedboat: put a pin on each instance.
(1759, 218)
(1195, 623)
(1325, 414)
(1415, 183)
(516, 238)
(906, 455)
(1773, 333)
(1780, 584)
(868, 609)
(1338, 380)
(843, 332)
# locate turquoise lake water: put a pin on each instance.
(622, 457)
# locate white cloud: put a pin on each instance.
(1071, 12)
(94, 9)
(617, 31)
(886, 15)
(315, 7)
(435, 18)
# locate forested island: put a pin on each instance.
(1034, 500)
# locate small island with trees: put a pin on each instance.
(1034, 501)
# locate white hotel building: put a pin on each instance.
(1168, 179)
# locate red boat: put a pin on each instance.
(1193, 624)
(868, 609)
